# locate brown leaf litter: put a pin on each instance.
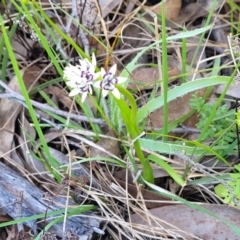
(189, 223)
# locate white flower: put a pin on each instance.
(109, 81)
(80, 78)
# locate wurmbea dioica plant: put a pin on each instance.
(83, 77)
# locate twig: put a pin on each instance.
(19, 98)
(85, 41)
(74, 15)
(60, 49)
(182, 129)
(89, 14)
(41, 118)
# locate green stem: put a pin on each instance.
(132, 128)
(164, 76)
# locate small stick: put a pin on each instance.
(74, 15)
(19, 98)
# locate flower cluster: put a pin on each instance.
(81, 78)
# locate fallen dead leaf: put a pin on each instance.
(191, 221)
(233, 91)
(60, 95)
(21, 51)
(109, 145)
(146, 78)
(50, 136)
(12, 232)
(96, 44)
(177, 108)
(220, 35)
(3, 234)
(18, 161)
(31, 164)
(208, 4)
(4, 217)
(171, 7)
(200, 56)
(27, 131)
(132, 37)
(195, 10)
(191, 12)
(9, 110)
(157, 173)
(31, 76)
(106, 6)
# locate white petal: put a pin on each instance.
(116, 93)
(74, 92)
(104, 93)
(121, 79)
(73, 68)
(72, 72)
(71, 83)
(94, 61)
(97, 84)
(113, 69)
(90, 90)
(69, 66)
(84, 65)
(84, 95)
(72, 78)
(82, 81)
(103, 72)
(77, 82)
(91, 69)
(82, 62)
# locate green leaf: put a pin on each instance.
(178, 92)
(147, 171)
(165, 166)
(221, 191)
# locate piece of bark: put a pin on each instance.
(33, 203)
